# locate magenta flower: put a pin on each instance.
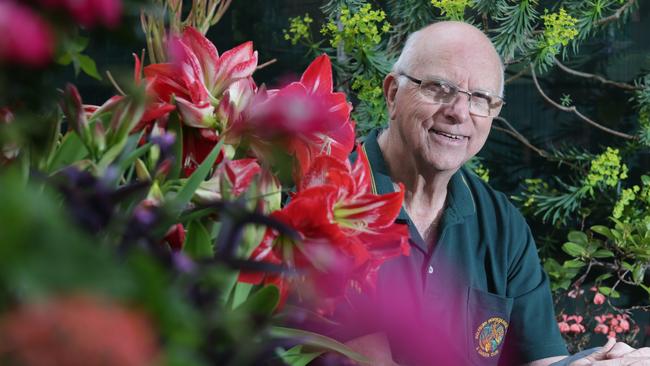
(90, 13)
(26, 38)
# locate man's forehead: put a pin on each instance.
(460, 67)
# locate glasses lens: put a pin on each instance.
(479, 105)
(438, 91)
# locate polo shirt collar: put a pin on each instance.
(460, 202)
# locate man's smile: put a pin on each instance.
(448, 135)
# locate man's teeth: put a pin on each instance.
(455, 137)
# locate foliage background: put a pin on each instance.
(619, 53)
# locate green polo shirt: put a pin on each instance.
(480, 290)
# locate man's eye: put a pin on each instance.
(484, 98)
(442, 87)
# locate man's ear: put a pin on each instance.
(390, 90)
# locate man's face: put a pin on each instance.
(444, 136)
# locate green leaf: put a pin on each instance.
(198, 243)
(70, 151)
(175, 126)
(602, 230)
(64, 59)
(88, 66)
(603, 277)
(319, 341)
(639, 273)
(186, 192)
(578, 237)
(262, 302)
(627, 266)
(132, 157)
(242, 290)
(605, 290)
(602, 253)
(573, 249)
(111, 154)
(296, 357)
(574, 263)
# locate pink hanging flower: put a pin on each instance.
(601, 328)
(564, 327)
(599, 299)
(26, 38)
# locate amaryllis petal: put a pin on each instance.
(240, 173)
(369, 212)
(188, 68)
(327, 170)
(237, 63)
(205, 52)
(199, 115)
(165, 82)
(197, 144)
(137, 69)
(317, 78)
(262, 253)
(361, 171)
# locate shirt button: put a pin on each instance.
(430, 269)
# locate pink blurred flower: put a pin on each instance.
(599, 299)
(90, 13)
(601, 328)
(575, 293)
(577, 328)
(625, 325)
(564, 327)
(26, 38)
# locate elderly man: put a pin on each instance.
(473, 290)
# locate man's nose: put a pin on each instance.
(458, 109)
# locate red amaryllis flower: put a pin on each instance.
(197, 77)
(73, 331)
(337, 141)
(26, 38)
(229, 181)
(347, 231)
(195, 81)
(90, 13)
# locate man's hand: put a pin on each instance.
(375, 347)
(616, 354)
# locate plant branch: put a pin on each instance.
(510, 130)
(573, 109)
(267, 63)
(617, 15)
(517, 75)
(595, 77)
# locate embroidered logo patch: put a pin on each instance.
(489, 336)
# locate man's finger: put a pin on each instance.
(596, 356)
(639, 353)
(632, 361)
(619, 350)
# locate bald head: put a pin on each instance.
(447, 41)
